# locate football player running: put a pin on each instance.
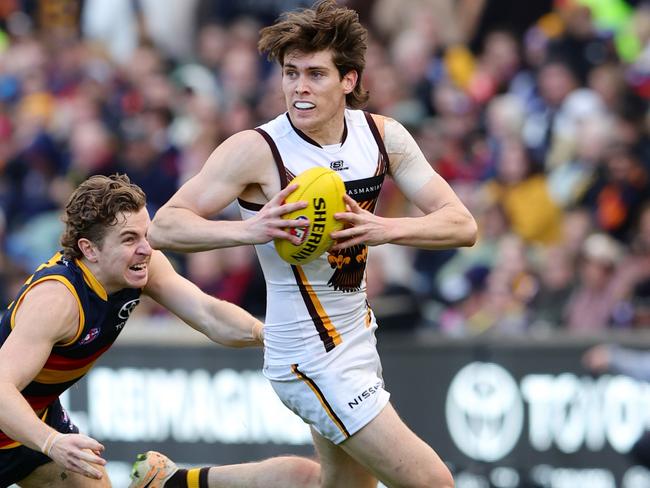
(320, 347)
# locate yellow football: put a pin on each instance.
(323, 191)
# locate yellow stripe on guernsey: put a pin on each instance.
(69, 286)
(193, 478)
(91, 281)
(11, 446)
(313, 297)
(56, 376)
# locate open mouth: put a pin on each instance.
(304, 105)
(138, 267)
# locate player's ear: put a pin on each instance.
(350, 81)
(88, 249)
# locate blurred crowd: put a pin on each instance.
(536, 113)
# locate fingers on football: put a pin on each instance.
(281, 234)
(284, 193)
(347, 238)
(344, 244)
(291, 207)
(351, 203)
(294, 223)
(348, 217)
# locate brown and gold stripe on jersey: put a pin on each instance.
(368, 314)
(326, 330)
(321, 398)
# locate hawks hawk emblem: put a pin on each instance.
(349, 265)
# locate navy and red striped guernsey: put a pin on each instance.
(101, 319)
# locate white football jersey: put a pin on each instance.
(314, 308)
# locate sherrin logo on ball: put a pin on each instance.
(323, 190)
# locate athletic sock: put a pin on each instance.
(189, 478)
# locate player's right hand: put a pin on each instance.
(269, 224)
(78, 453)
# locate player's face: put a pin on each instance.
(123, 258)
(315, 94)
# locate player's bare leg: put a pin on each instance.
(338, 468)
(155, 470)
(51, 475)
(399, 458)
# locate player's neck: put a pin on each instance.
(333, 132)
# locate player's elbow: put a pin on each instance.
(467, 231)
(223, 333)
(157, 232)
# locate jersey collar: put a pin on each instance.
(313, 142)
(91, 281)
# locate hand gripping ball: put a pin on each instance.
(323, 190)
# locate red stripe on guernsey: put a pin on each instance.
(56, 361)
(6, 442)
(40, 402)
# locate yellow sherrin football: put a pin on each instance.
(323, 191)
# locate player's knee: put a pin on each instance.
(436, 477)
(304, 472)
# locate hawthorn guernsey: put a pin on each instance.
(323, 191)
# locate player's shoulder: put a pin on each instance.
(247, 141)
(240, 151)
(388, 127)
(52, 295)
(276, 128)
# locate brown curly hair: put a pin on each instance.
(94, 207)
(322, 27)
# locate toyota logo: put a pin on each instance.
(485, 412)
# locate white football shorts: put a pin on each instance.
(336, 393)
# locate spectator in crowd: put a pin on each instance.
(593, 303)
(523, 193)
(618, 192)
(556, 271)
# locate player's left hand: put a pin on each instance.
(362, 227)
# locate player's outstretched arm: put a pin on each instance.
(446, 221)
(48, 314)
(221, 321)
(243, 160)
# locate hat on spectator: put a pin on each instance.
(603, 249)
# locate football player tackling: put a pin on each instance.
(68, 314)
